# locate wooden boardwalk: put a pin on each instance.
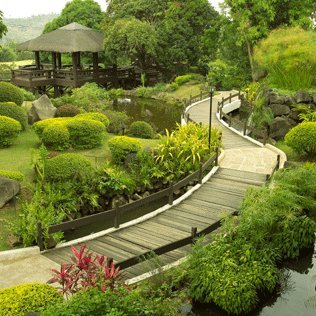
(217, 198)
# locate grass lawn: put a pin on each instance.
(19, 62)
(186, 90)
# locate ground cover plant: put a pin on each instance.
(242, 261)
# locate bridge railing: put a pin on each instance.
(114, 215)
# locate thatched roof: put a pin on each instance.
(73, 37)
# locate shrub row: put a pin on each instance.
(82, 131)
(10, 93)
(9, 131)
(14, 111)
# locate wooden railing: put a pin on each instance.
(32, 74)
(116, 214)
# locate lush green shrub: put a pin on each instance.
(97, 116)
(14, 175)
(10, 93)
(50, 205)
(302, 138)
(113, 180)
(117, 121)
(141, 129)
(181, 80)
(121, 301)
(288, 55)
(67, 167)
(67, 110)
(9, 130)
(182, 151)
(25, 298)
(122, 146)
(85, 133)
(56, 136)
(27, 95)
(39, 126)
(14, 111)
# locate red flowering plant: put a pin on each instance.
(87, 270)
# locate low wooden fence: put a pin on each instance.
(116, 214)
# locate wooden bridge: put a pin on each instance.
(170, 233)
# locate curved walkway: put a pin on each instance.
(245, 164)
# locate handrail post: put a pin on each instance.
(190, 99)
(278, 162)
(230, 98)
(218, 106)
(201, 95)
(245, 128)
(117, 216)
(170, 199)
(216, 157)
(40, 239)
(239, 95)
(200, 173)
(230, 120)
(193, 233)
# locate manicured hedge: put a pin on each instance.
(56, 136)
(10, 93)
(9, 131)
(14, 111)
(14, 175)
(141, 129)
(85, 133)
(122, 146)
(25, 298)
(302, 138)
(97, 116)
(67, 167)
(117, 121)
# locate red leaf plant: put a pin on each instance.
(87, 270)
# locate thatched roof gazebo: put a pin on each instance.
(72, 38)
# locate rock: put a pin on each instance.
(314, 98)
(279, 109)
(280, 126)
(146, 194)
(303, 97)
(32, 116)
(275, 98)
(136, 197)
(44, 107)
(289, 100)
(294, 116)
(8, 189)
(118, 201)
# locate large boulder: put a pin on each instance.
(303, 97)
(42, 108)
(280, 126)
(279, 109)
(8, 189)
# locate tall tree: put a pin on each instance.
(85, 12)
(3, 28)
(256, 18)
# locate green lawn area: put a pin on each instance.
(186, 90)
(19, 62)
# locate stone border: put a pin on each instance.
(16, 254)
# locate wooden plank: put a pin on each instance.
(216, 188)
(210, 216)
(183, 219)
(209, 195)
(139, 239)
(165, 221)
(219, 182)
(163, 239)
(232, 202)
(209, 205)
(149, 225)
(239, 180)
(193, 216)
(214, 212)
(242, 174)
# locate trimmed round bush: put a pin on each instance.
(25, 298)
(14, 175)
(141, 129)
(56, 136)
(10, 93)
(95, 116)
(302, 138)
(14, 111)
(39, 126)
(9, 131)
(85, 133)
(117, 120)
(67, 110)
(67, 167)
(121, 146)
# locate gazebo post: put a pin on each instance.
(54, 61)
(78, 60)
(95, 65)
(74, 68)
(59, 65)
(37, 60)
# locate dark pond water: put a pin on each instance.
(158, 113)
(297, 296)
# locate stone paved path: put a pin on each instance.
(240, 153)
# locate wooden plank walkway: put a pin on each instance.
(217, 198)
